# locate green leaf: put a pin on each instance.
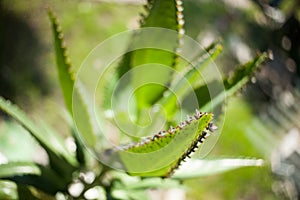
(8, 190)
(24, 146)
(65, 71)
(163, 153)
(179, 89)
(71, 91)
(124, 194)
(47, 139)
(80, 157)
(130, 187)
(133, 182)
(46, 179)
(18, 168)
(162, 14)
(236, 81)
(243, 73)
(200, 168)
(60, 159)
(82, 116)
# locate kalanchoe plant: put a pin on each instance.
(168, 148)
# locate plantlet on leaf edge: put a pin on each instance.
(183, 139)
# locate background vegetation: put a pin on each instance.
(267, 111)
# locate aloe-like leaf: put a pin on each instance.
(162, 14)
(64, 68)
(236, 81)
(71, 91)
(199, 168)
(165, 14)
(51, 142)
(179, 89)
(243, 73)
(83, 116)
(18, 169)
(161, 154)
(61, 161)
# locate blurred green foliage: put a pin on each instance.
(245, 28)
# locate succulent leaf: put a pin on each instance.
(162, 153)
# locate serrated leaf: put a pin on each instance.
(64, 68)
(163, 153)
(200, 168)
(179, 89)
(243, 73)
(18, 168)
(61, 161)
(71, 91)
(162, 14)
(236, 81)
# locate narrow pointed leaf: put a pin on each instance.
(200, 168)
(236, 81)
(51, 142)
(18, 169)
(83, 116)
(61, 161)
(70, 91)
(64, 68)
(179, 89)
(161, 154)
(243, 73)
(161, 14)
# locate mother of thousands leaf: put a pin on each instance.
(162, 153)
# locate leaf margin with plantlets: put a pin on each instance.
(179, 136)
(64, 68)
(179, 87)
(154, 11)
(71, 91)
(240, 76)
(232, 84)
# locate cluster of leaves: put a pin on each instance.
(66, 169)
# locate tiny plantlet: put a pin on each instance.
(184, 138)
